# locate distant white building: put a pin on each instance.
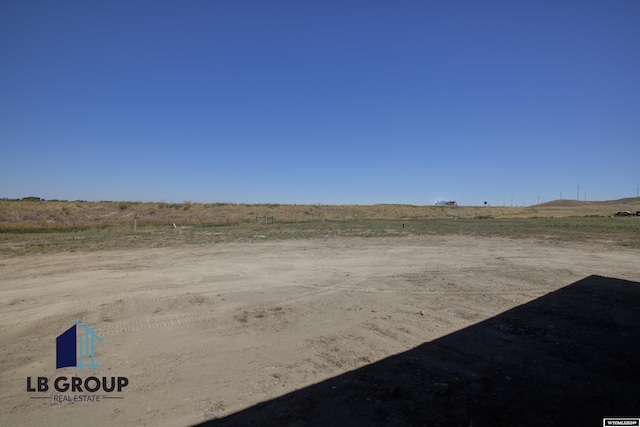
(446, 203)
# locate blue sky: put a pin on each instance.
(332, 102)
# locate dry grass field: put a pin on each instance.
(25, 215)
(45, 227)
(330, 315)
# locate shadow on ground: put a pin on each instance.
(568, 358)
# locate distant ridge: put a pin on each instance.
(571, 203)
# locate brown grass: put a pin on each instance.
(57, 215)
(47, 227)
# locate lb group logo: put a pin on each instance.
(76, 348)
(68, 353)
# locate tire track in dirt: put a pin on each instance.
(162, 321)
(72, 296)
(167, 320)
(369, 290)
(106, 287)
(120, 288)
(174, 319)
(120, 303)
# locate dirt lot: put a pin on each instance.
(206, 332)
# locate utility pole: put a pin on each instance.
(578, 193)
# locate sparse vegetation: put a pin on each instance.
(37, 227)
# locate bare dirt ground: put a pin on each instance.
(203, 332)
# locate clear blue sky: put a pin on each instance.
(329, 102)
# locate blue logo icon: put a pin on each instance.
(74, 350)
